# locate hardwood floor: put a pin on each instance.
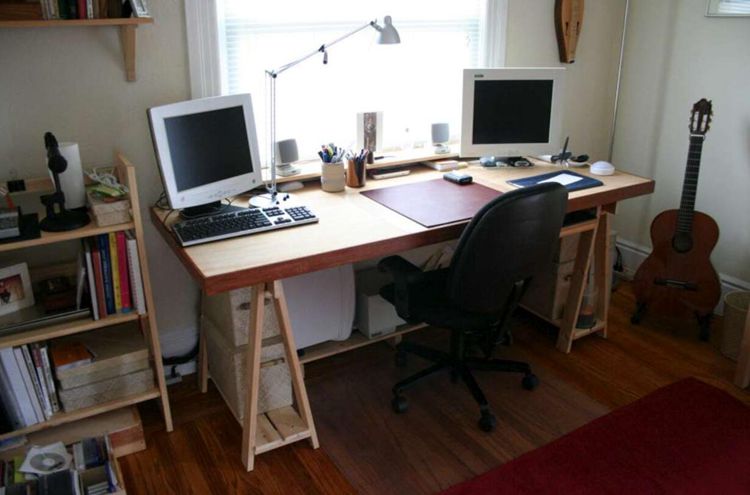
(365, 448)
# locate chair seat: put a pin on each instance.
(428, 303)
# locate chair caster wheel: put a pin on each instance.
(399, 404)
(530, 381)
(487, 422)
(400, 359)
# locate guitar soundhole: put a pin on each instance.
(682, 242)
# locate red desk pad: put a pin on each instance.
(434, 202)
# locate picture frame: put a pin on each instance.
(140, 9)
(15, 288)
(728, 8)
(370, 131)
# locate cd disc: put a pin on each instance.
(47, 462)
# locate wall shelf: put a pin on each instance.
(127, 33)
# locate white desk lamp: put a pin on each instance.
(387, 35)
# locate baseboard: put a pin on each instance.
(634, 254)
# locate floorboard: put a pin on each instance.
(366, 448)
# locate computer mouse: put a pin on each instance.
(602, 168)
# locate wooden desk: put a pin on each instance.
(354, 228)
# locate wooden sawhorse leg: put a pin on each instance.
(594, 243)
(273, 429)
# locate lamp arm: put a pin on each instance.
(275, 72)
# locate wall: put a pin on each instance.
(71, 81)
(675, 56)
(590, 81)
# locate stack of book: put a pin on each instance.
(114, 274)
(28, 393)
(81, 9)
(83, 468)
(118, 366)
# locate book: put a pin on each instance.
(96, 263)
(442, 165)
(134, 268)
(38, 367)
(13, 374)
(26, 377)
(68, 355)
(51, 388)
(46, 408)
(10, 405)
(122, 265)
(81, 9)
(115, 267)
(109, 295)
(91, 280)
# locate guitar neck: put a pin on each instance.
(690, 184)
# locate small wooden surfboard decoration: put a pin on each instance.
(568, 22)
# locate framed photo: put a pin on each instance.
(15, 288)
(728, 8)
(140, 9)
(370, 131)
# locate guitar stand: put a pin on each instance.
(704, 321)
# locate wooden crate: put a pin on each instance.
(228, 370)
(229, 313)
(548, 292)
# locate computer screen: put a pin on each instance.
(509, 111)
(207, 149)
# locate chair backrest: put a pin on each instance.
(509, 240)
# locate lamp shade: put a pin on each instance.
(388, 34)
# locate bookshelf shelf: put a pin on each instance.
(63, 329)
(127, 28)
(63, 417)
(89, 230)
(147, 321)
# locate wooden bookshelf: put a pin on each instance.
(66, 328)
(89, 230)
(127, 28)
(147, 321)
(68, 417)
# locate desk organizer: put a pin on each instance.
(333, 177)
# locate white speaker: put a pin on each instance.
(286, 153)
(71, 181)
(440, 137)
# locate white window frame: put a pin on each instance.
(205, 62)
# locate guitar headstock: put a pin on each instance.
(700, 117)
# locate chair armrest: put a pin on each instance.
(404, 274)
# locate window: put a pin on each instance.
(414, 83)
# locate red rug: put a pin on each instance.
(686, 438)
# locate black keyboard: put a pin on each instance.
(243, 222)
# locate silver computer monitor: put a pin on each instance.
(207, 149)
(511, 111)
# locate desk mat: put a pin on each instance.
(434, 202)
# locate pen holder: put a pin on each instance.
(332, 177)
(356, 173)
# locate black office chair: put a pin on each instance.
(505, 244)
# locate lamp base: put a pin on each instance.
(64, 221)
(269, 199)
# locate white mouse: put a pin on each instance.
(602, 168)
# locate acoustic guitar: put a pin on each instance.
(678, 278)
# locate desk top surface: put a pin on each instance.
(354, 228)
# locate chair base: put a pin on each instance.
(460, 367)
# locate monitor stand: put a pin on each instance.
(207, 209)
